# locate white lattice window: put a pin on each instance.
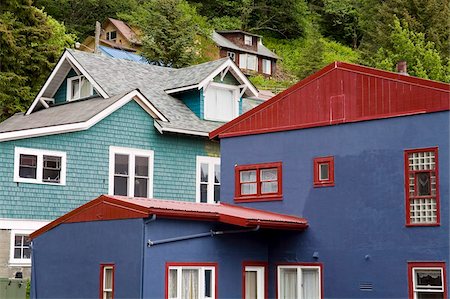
(422, 186)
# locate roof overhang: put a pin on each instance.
(135, 95)
(162, 130)
(109, 207)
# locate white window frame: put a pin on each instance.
(248, 40)
(15, 261)
(235, 101)
(260, 283)
(211, 161)
(132, 153)
(69, 87)
(264, 67)
(201, 280)
(417, 289)
(243, 62)
(39, 153)
(231, 55)
(106, 291)
(299, 279)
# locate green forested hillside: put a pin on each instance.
(306, 34)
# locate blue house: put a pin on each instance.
(112, 126)
(359, 159)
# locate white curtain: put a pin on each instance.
(189, 284)
(288, 284)
(311, 284)
(172, 283)
(251, 285)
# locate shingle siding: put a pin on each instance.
(88, 164)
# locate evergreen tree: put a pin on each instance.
(31, 42)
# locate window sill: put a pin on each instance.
(37, 182)
(275, 197)
(323, 184)
(422, 224)
(19, 263)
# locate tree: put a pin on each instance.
(422, 57)
(31, 43)
(173, 33)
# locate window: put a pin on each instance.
(194, 280)
(324, 172)
(422, 187)
(267, 66)
(107, 281)
(78, 87)
(258, 182)
(130, 172)
(111, 35)
(249, 62)
(208, 179)
(231, 55)
(254, 280)
(20, 248)
(301, 281)
(221, 102)
(39, 166)
(248, 40)
(427, 280)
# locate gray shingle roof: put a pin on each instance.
(225, 43)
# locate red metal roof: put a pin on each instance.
(109, 207)
(341, 93)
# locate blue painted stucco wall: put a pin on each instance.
(364, 213)
(67, 259)
(88, 164)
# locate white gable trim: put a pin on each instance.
(179, 131)
(133, 95)
(175, 90)
(78, 68)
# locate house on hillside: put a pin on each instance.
(104, 125)
(357, 157)
(246, 50)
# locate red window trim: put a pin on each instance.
(412, 265)
(265, 265)
(192, 264)
(102, 267)
(324, 160)
(258, 196)
(407, 198)
(320, 265)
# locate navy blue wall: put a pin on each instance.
(228, 251)
(364, 213)
(66, 259)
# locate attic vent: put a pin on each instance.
(366, 286)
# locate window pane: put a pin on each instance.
(324, 172)
(288, 283)
(17, 253)
(208, 282)
(269, 174)
(27, 168)
(85, 88)
(140, 187)
(251, 288)
(248, 176)
(120, 185)
(189, 284)
(217, 174)
(121, 164)
(423, 183)
(141, 166)
(51, 169)
(269, 187)
(203, 172)
(108, 278)
(428, 278)
(18, 240)
(251, 62)
(217, 193)
(26, 253)
(75, 89)
(429, 295)
(26, 240)
(248, 188)
(203, 193)
(311, 284)
(173, 283)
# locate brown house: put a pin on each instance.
(247, 51)
(114, 34)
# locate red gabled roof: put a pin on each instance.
(339, 93)
(109, 207)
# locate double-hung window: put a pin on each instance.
(39, 166)
(221, 102)
(20, 248)
(427, 280)
(324, 171)
(267, 66)
(130, 172)
(248, 61)
(422, 187)
(248, 40)
(208, 179)
(299, 281)
(111, 35)
(106, 281)
(78, 87)
(193, 281)
(254, 281)
(258, 182)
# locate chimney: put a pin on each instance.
(97, 36)
(402, 68)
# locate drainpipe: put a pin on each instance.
(211, 233)
(151, 219)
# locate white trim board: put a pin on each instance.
(80, 126)
(22, 224)
(180, 131)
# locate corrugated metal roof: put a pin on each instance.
(341, 93)
(109, 207)
(121, 54)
